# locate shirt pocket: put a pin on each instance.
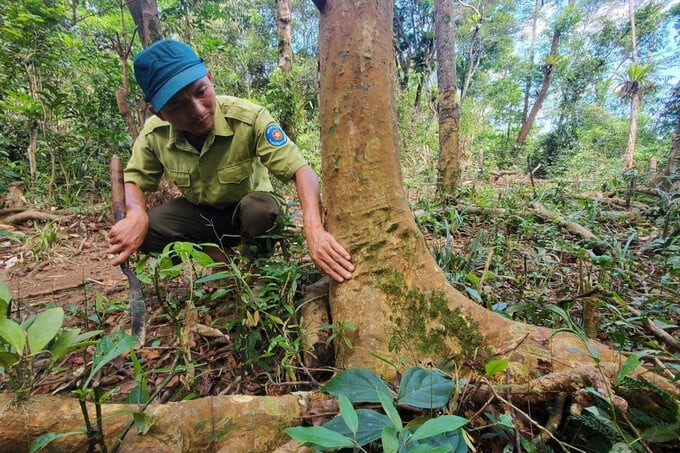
(180, 178)
(238, 173)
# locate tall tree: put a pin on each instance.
(530, 59)
(448, 109)
(548, 74)
(399, 300)
(632, 89)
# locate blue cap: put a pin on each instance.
(164, 68)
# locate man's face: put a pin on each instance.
(192, 110)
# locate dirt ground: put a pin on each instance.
(73, 266)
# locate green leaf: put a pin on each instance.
(44, 328)
(349, 415)
(142, 421)
(42, 441)
(319, 436)
(474, 294)
(389, 439)
(446, 442)
(8, 359)
(370, 425)
(628, 367)
(660, 434)
(109, 347)
(496, 366)
(5, 295)
(13, 334)
(425, 388)
(70, 340)
(439, 425)
(620, 447)
(390, 410)
(358, 384)
(3, 308)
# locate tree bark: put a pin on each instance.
(549, 74)
(145, 15)
(399, 299)
(448, 167)
(283, 26)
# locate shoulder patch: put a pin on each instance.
(275, 135)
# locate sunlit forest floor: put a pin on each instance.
(609, 261)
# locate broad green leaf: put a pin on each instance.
(12, 333)
(44, 440)
(370, 425)
(212, 277)
(349, 415)
(70, 340)
(450, 441)
(621, 447)
(390, 410)
(496, 366)
(358, 384)
(389, 439)
(660, 434)
(319, 436)
(142, 422)
(425, 448)
(474, 294)
(425, 388)
(438, 425)
(44, 327)
(5, 295)
(628, 367)
(109, 347)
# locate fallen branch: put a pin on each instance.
(31, 215)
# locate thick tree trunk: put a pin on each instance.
(549, 74)
(399, 299)
(448, 167)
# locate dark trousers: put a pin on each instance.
(247, 222)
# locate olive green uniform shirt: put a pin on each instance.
(237, 157)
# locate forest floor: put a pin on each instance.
(499, 250)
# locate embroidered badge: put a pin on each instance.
(275, 135)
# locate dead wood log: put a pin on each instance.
(574, 228)
(236, 423)
(613, 201)
(31, 215)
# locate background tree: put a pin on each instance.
(448, 105)
(551, 61)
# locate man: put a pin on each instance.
(219, 152)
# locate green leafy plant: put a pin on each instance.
(43, 240)
(39, 336)
(428, 390)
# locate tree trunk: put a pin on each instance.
(549, 74)
(399, 300)
(672, 172)
(283, 25)
(449, 110)
(635, 100)
(145, 15)
(532, 46)
(629, 154)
